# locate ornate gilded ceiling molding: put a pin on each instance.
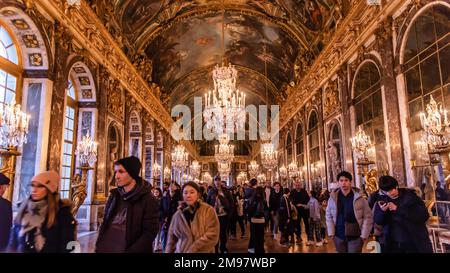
(361, 22)
(331, 104)
(85, 27)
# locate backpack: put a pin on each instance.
(294, 212)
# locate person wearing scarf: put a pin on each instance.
(195, 226)
(43, 223)
(131, 220)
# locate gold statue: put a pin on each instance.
(78, 193)
(371, 181)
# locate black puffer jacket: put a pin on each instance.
(142, 223)
(412, 214)
(56, 237)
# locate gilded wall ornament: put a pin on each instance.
(332, 103)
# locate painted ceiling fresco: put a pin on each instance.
(184, 37)
(197, 43)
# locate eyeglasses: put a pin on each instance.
(31, 185)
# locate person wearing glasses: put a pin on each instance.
(44, 223)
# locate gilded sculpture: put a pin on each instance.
(79, 193)
(371, 181)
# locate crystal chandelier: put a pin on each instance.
(195, 169)
(224, 152)
(283, 172)
(293, 170)
(436, 125)
(242, 176)
(13, 125)
(179, 158)
(156, 169)
(269, 157)
(261, 178)
(225, 104)
(207, 177)
(253, 169)
(361, 143)
(224, 170)
(86, 151)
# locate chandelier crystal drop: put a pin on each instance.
(13, 125)
(269, 157)
(224, 152)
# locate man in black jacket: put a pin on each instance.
(274, 205)
(222, 201)
(5, 213)
(131, 219)
(403, 216)
(300, 198)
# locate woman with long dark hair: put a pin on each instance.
(43, 223)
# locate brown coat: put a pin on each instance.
(200, 237)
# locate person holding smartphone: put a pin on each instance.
(403, 217)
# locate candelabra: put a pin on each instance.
(86, 155)
(283, 173)
(437, 128)
(156, 171)
(167, 173)
(361, 143)
(13, 134)
(253, 169)
(180, 159)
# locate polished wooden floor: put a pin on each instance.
(238, 245)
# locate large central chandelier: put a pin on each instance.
(253, 169)
(225, 104)
(269, 157)
(436, 125)
(180, 158)
(224, 152)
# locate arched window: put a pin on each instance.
(149, 146)
(313, 138)
(299, 149)
(369, 110)
(69, 139)
(10, 69)
(427, 69)
(135, 135)
(289, 148)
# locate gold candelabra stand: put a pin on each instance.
(79, 188)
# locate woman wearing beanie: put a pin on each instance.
(195, 226)
(131, 219)
(43, 223)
